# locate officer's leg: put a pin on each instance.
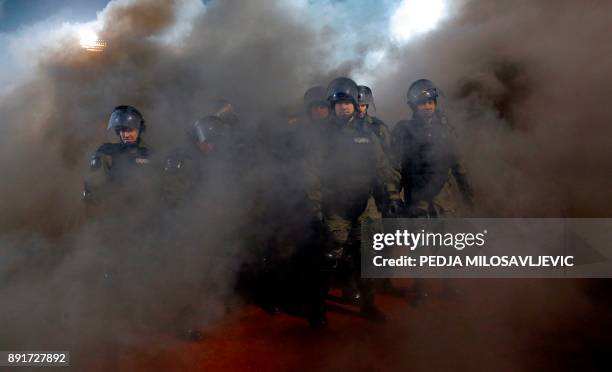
(337, 228)
(373, 218)
(369, 310)
(350, 289)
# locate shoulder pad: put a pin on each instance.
(108, 149)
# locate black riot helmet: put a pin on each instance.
(366, 96)
(224, 110)
(209, 129)
(126, 117)
(421, 91)
(315, 95)
(342, 89)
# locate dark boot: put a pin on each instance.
(369, 310)
(351, 294)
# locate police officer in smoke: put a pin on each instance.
(206, 166)
(186, 167)
(201, 185)
(316, 105)
(372, 214)
(288, 231)
(351, 165)
(375, 208)
(309, 128)
(122, 174)
(120, 194)
(366, 104)
(433, 177)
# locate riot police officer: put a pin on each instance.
(117, 170)
(315, 103)
(307, 134)
(433, 176)
(207, 140)
(120, 194)
(366, 102)
(375, 208)
(201, 183)
(354, 165)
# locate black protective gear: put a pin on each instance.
(366, 96)
(342, 89)
(433, 175)
(120, 176)
(126, 117)
(421, 91)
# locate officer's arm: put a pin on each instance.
(388, 182)
(383, 134)
(97, 177)
(386, 142)
(397, 149)
(463, 181)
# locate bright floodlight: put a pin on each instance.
(415, 17)
(90, 42)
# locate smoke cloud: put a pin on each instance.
(525, 85)
(511, 74)
(253, 55)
